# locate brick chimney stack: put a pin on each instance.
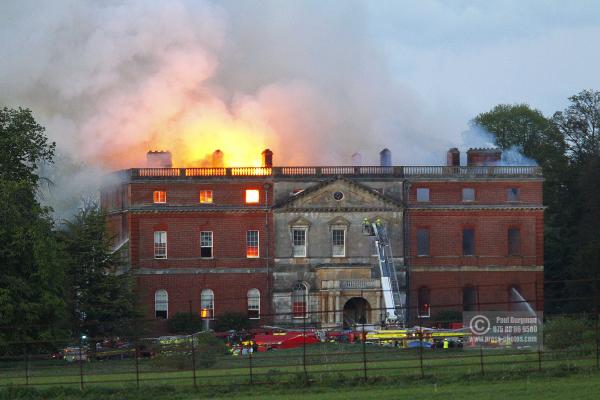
(453, 157)
(267, 158)
(159, 159)
(483, 157)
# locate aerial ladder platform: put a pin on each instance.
(394, 293)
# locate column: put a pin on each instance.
(338, 311)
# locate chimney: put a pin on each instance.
(483, 157)
(217, 159)
(159, 159)
(385, 158)
(453, 157)
(267, 158)
(356, 160)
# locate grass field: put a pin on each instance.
(578, 385)
(332, 371)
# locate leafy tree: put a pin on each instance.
(101, 297)
(539, 138)
(31, 283)
(580, 125)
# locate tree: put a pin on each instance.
(31, 283)
(580, 125)
(101, 298)
(539, 138)
(24, 146)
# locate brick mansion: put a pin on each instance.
(285, 245)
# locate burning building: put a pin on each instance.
(285, 245)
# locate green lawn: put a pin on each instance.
(326, 364)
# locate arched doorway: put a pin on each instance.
(356, 312)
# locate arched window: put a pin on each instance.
(207, 301)
(254, 304)
(424, 310)
(300, 300)
(161, 304)
(470, 298)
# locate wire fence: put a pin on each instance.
(310, 351)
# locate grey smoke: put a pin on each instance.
(109, 78)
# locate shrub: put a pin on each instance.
(185, 323)
(229, 321)
(566, 332)
(208, 349)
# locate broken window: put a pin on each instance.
(252, 243)
(206, 244)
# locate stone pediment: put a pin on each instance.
(340, 194)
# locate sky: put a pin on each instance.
(315, 81)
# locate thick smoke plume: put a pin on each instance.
(111, 80)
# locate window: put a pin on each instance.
(161, 304)
(338, 237)
(514, 242)
(252, 250)
(254, 304)
(469, 299)
(468, 194)
(206, 196)
(159, 196)
(207, 302)
(252, 196)
(299, 242)
(513, 194)
(424, 309)
(422, 194)
(206, 244)
(299, 301)
(423, 242)
(160, 244)
(468, 242)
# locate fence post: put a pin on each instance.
(304, 345)
(481, 358)
(193, 349)
(80, 362)
(364, 341)
(137, 364)
(421, 346)
(26, 357)
(596, 325)
(250, 365)
(597, 344)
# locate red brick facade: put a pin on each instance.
(499, 201)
